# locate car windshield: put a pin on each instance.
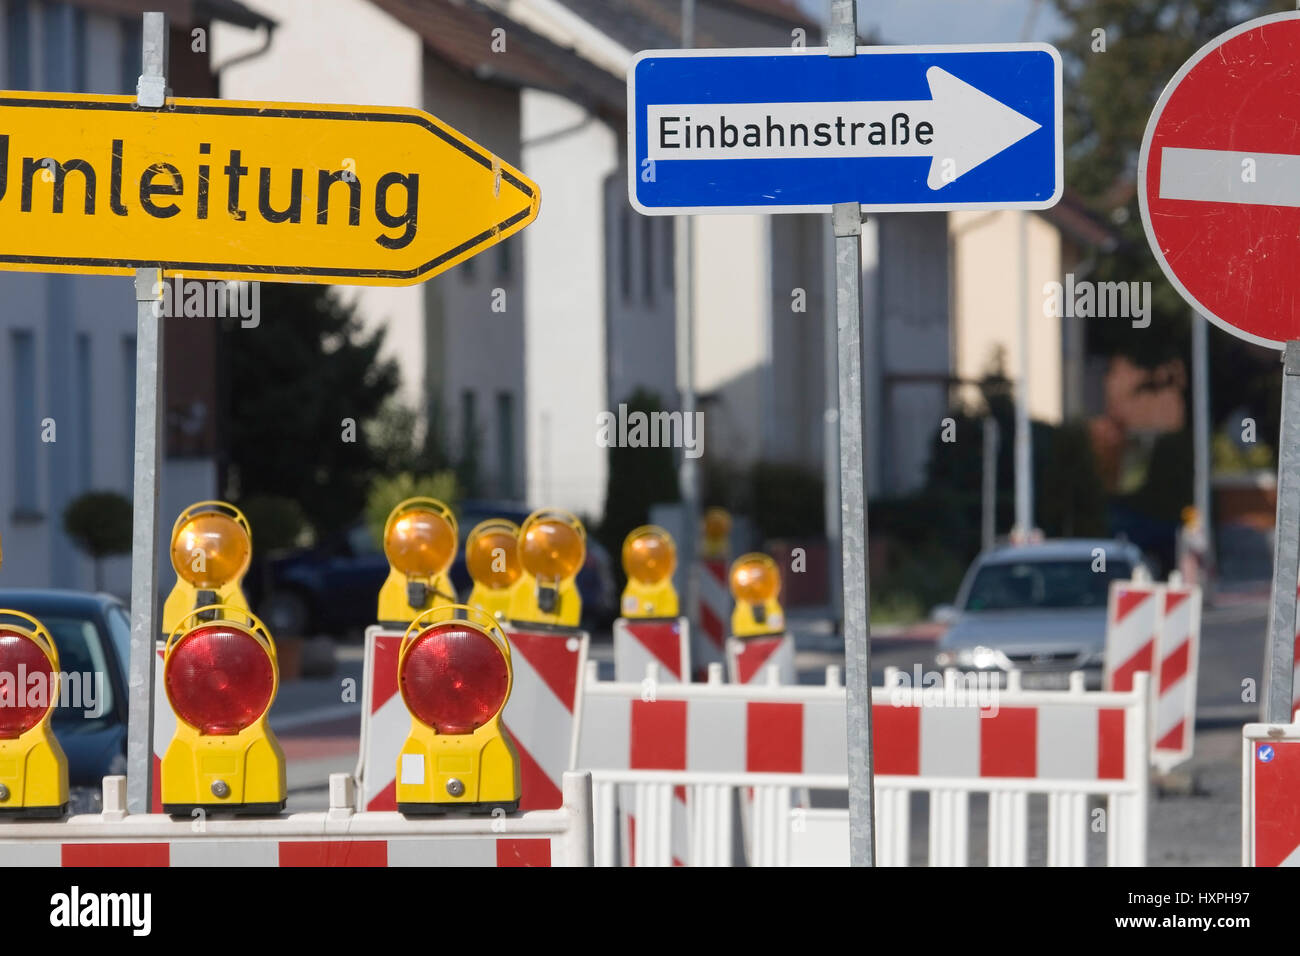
(86, 688)
(1025, 585)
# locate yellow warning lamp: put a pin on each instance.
(717, 531)
(33, 768)
(649, 559)
(455, 678)
(420, 543)
(755, 583)
(221, 675)
(492, 558)
(211, 548)
(552, 548)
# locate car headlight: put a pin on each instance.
(980, 658)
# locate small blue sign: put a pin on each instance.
(1265, 753)
(896, 129)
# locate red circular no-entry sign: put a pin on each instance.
(1219, 180)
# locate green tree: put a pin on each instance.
(303, 386)
(99, 522)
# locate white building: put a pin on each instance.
(67, 343)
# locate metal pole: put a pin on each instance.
(1201, 438)
(1286, 547)
(151, 93)
(831, 442)
(990, 490)
(688, 473)
(847, 221)
(1024, 436)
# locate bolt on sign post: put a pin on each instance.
(1219, 189)
(225, 189)
(846, 130)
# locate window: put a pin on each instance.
(128, 376)
(85, 409)
(468, 421)
(1022, 585)
(83, 660)
(26, 426)
(505, 445)
(18, 50)
(625, 259)
(503, 259)
(648, 259)
(132, 41)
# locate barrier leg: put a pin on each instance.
(893, 826)
(949, 827)
(1067, 829)
(1008, 826)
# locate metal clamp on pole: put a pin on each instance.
(847, 222)
(1286, 547)
(151, 93)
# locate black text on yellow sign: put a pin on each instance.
(224, 189)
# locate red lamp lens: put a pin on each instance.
(220, 679)
(23, 702)
(454, 678)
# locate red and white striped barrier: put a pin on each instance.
(753, 660)
(1179, 650)
(337, 837)
(713, 738)
(715, 610)
(1270, 780)
(1156, 628)
(1132, 629)
(660, 641)
(541, 715)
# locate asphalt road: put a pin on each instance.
(1195, 812)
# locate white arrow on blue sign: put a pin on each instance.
(897, 129)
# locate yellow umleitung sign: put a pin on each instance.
(223, 189)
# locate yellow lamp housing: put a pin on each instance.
(455, 677)
(492, 559)
(649, 560)
(755, 583)
(717, 532)
(552, 549)
(211, 548)
(33, 767)
(221, 676)
(420, 541)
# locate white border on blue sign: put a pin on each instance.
(866, 207)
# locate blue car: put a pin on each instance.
(333, 587)
(93, 634)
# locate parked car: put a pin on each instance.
(92, 633)
(333, 587)
(1037, 608)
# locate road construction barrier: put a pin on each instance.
(715, 610)
(1179, 653)
(540, 716)
(1156, 628)
(753, 659)
(1270, 780)
(664, 642)
(339, 836)
(950, 741)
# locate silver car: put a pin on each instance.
(1037, 608)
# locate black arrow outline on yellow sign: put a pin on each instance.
(11, 167)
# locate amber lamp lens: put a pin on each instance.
(420, 543)
(755, 581)
(552, 550)
(211, 550)
(649, 558)
(493, 558)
